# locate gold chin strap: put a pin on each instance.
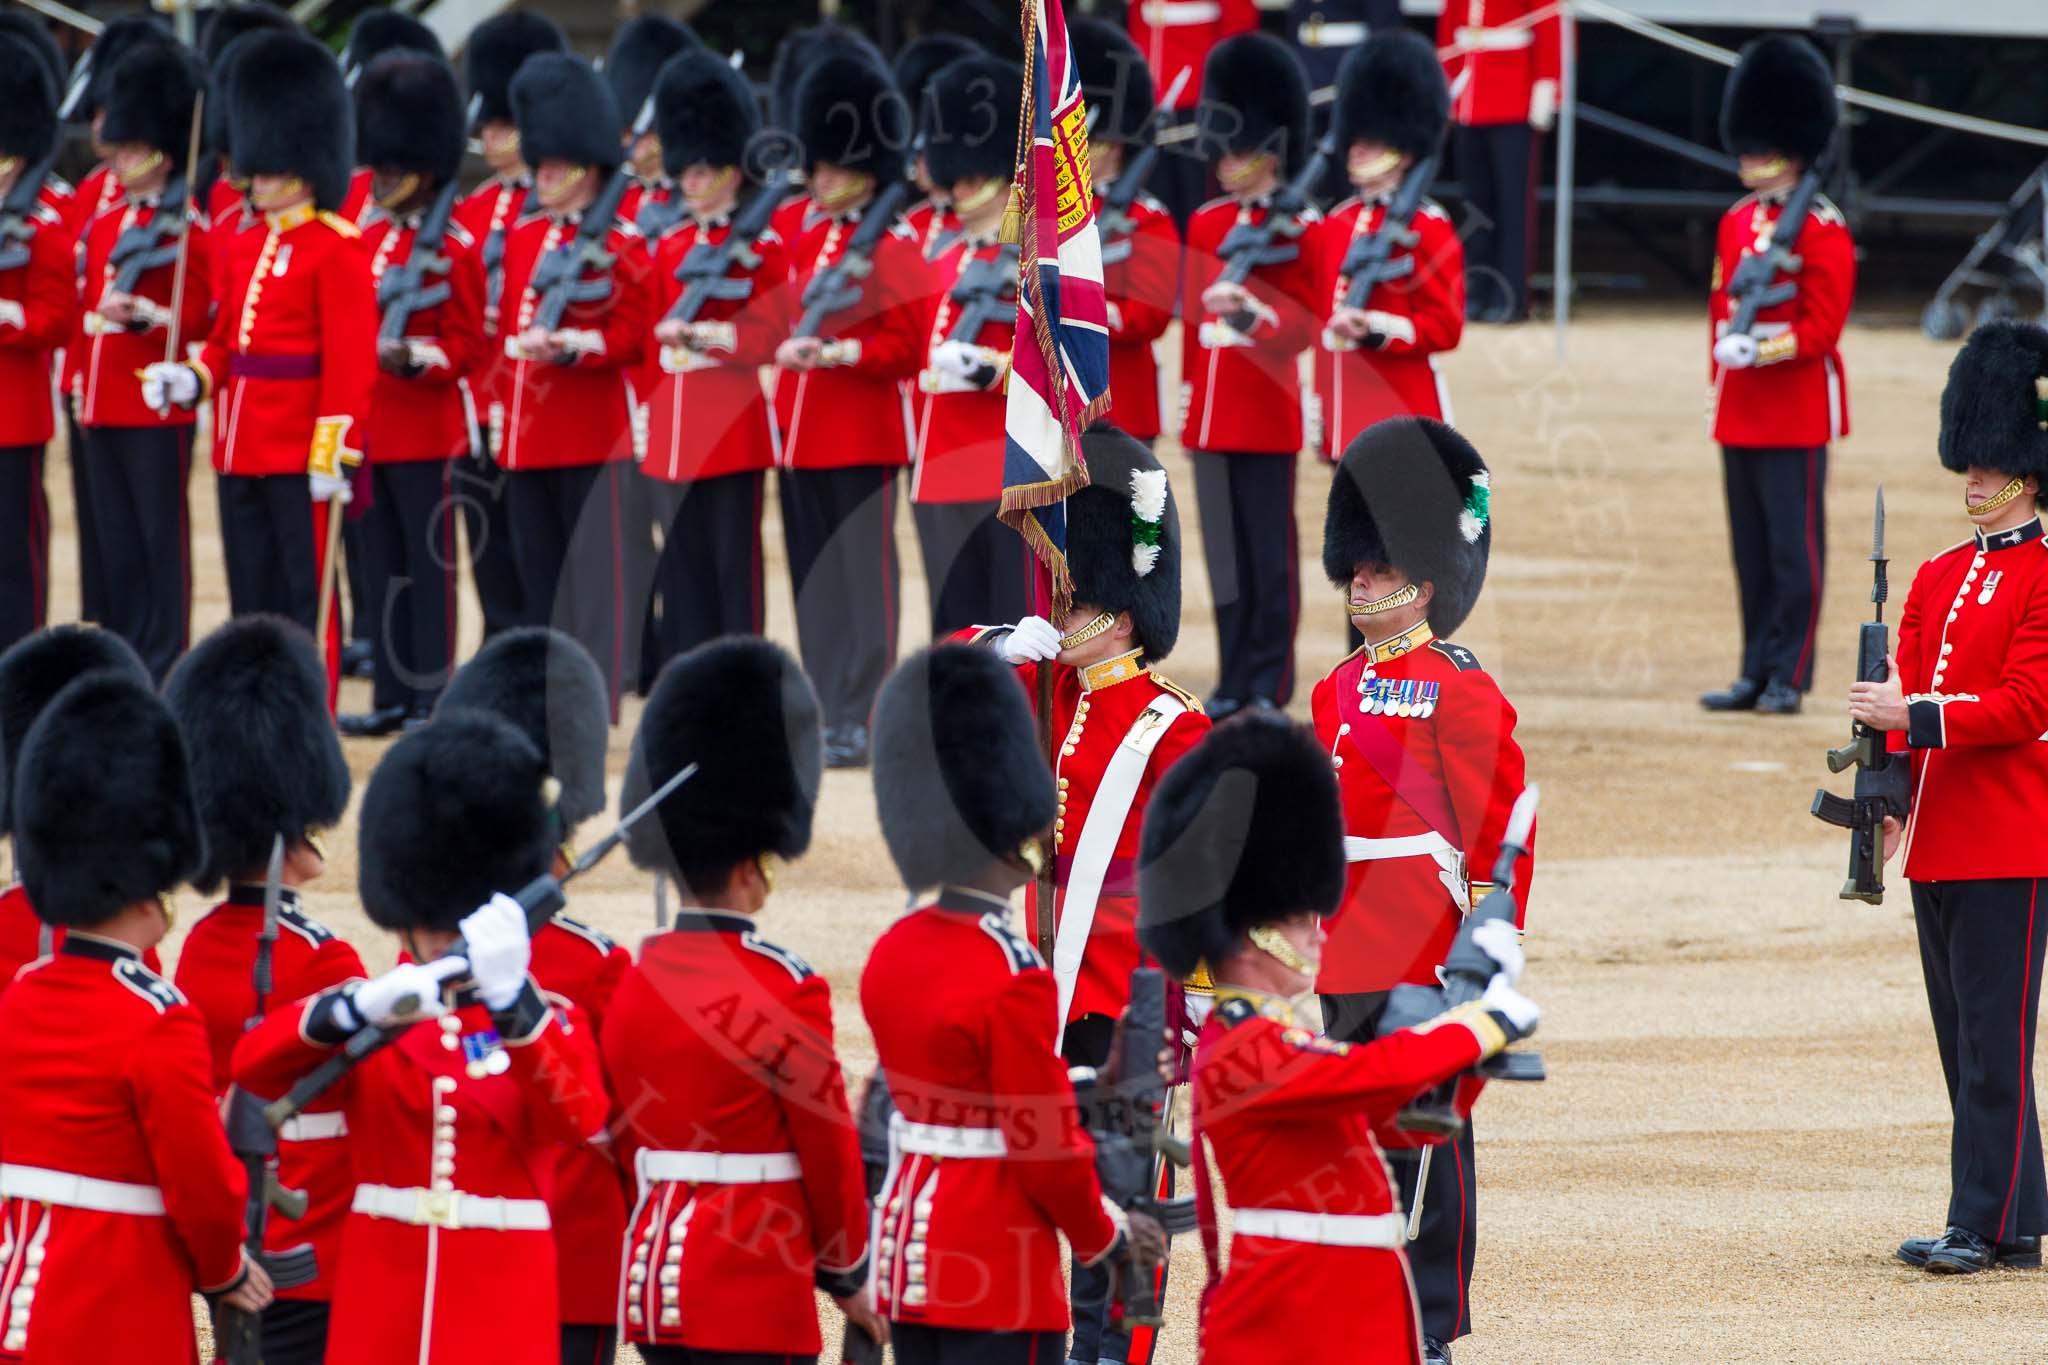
(1102, 624)
(1249, 171)
(290, 188)
(1769, 170)
(169, 906)
(9, 165)
(1400, 597)
(1033, 854)
(770, 866)
(311, 839)
(855, 189)
(725, 176)
(142, 168)
(400, 192)
(1270, 941)
(1996, 500)
(979, 199)
(564, 186)
(1362, 169)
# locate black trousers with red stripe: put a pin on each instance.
(142, 536)
(408, 601)
(1248, 538)
(1777, 529)
(565, 526)
(840, 527)
(479, 487)
(24, 543)
(1980, 951)
(1497, 170)
(707, 581)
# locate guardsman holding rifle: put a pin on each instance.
(1784, 277)
(430, 286)
(1967, 698)
(251, 702)
(721, 292)
(1424, 748)
(118, 1195)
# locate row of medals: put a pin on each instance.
(1401, 697)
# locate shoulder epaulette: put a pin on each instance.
(1022, 956)
(161, 994)
(902, 231)
(1219, 199)
(460, 234)
(1824, 211)
(782, 957)
(595, 937)
(342, 227)
(59, 184)
(304, 925)
(1235, 1010)
(1429, 208)
(1167, 684)
(1152, 202)
(1462, 659)
(630, 228)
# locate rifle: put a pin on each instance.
(705, 270)
(404, 290)
(18, 209)
(1114, 220)
(540, 898)
(558, 277)
(147, 246)
(837, 287)
(1751, 287)
(1369, 262)
(1276, 239)
(1882, 778)
(985, 292)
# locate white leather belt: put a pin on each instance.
(1181, 13)
(1380, 1230)
(1493, 39)
(79, 1191)
(716, 1168)
(937, 1139)
(945, 381)
(684, 360)
(451, 1209)
(314, 1127)
(1428, 844)
(1332, 35)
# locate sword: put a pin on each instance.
(1414, 1228)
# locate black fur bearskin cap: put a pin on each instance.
(1780, 99)
(35, 669)
(1391, 90)
(565, 112)
(1413, 493)
(1123, 538)
(495, 52)
(1255, 99)
(545, 684)
(1994, 410)
(704, 112)
(976, 103)
(409, 116)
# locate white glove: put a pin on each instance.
(1518, 1009)
(166, 382)
(499, 950)
(1543, 106)
(1032, 640)
(1736, 351)
(409, 991)
(1501, 941)
(12, 314)
(329, 487)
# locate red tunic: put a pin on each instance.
(1141, 286)
(216, 972)
(98, 192)
(1176, 35)
(707, 415)
(428, 1132)
(1242, 392)
(577, 965)
(1287, 1120)
(933, 225)
(1425, 315)
(719, 1041)
(358, 204)
(1797, 394)
(1973, 659)
(959, 447)
(487, 213)
(552, 416)
(38, 311)
(1497, 62)
(293, 342)
(108, 395)
(1400, 912)
(21, 936)
(857, 413)
(794, 217)
(963, 1015)
(104, 1075)
(426, 416)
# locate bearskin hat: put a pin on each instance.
(38, 667)
(251, 701)
(741, 710)
(921, 59)
(381, 29)
(1114, 79)
(548, 687)
(29, 28)
(494, 53)
(104, 814)
(1413, 493)
(643, 46)
(290, 115)
(1123, 538)
(975, 104)
(409, 116)
(92, 78)
(960, 778)
(1994, 411)
(150, 98)
(1255, 99)
(850, 114)
(804, 49)
(565, 112)
(456, 811)
(1391, 90)
(28, 117)
(1780, 100)
(1245, 829)
(704, 111)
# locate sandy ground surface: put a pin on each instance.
(1745, 1112)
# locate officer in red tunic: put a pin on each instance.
(1243, 857)
(988, 1166)
(222, 43)
(710, 443)
(842, 408)
(1241, 397)
(251, 702)
(118, 1195)
(38, 306)
(491, 57)
(1426, 757)
(549, 688)
(931, 218)
(139, 458)
(1779, 391)
(1504, 63)
(747, 1170)
(410, 131)
(1967, 699)
(1379, 359)
(32, 672)
(975, 568)
(1177, 36)
(448, 1253)
(1140, 262)
(567, 397)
